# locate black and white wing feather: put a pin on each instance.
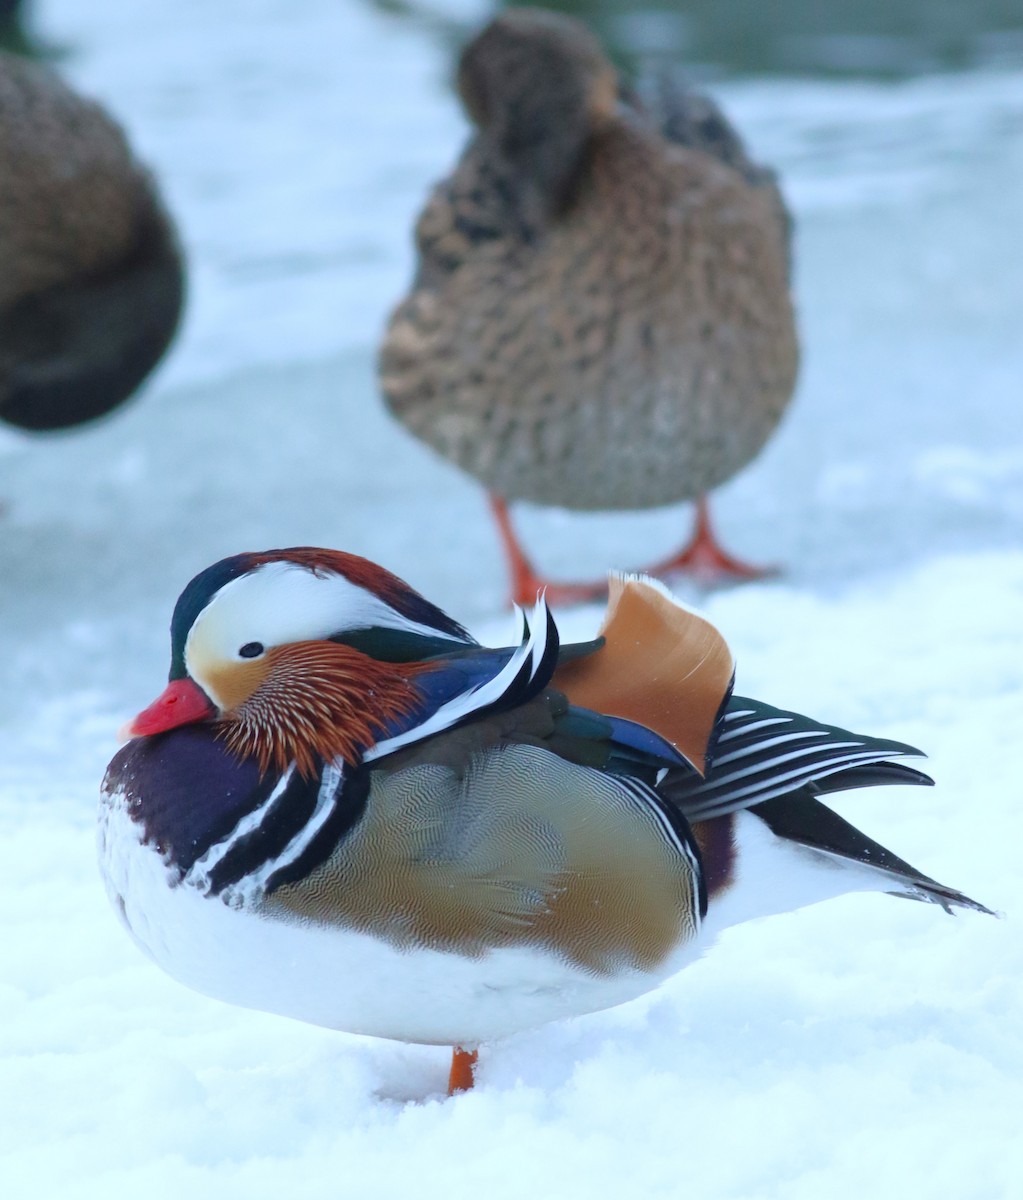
(760, 752)
(776, 764)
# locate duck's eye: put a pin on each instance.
(251, 650)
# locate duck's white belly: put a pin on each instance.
(341, 978)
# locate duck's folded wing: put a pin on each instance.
(466, 848)
(612, 743)
(474, 682)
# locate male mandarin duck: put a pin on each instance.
(601, 316)
(92, 282)
(344, 809)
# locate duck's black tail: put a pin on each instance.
(800, 818)
(776, 764)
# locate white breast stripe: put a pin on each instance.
(330, 788)
(198, 875)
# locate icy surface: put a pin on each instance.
(861, 1048)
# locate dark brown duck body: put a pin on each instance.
(92, 283)
(601, 316)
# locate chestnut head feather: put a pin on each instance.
(316, 702)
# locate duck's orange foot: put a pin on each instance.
(526, 583)
(706, 560)
(463, 1070)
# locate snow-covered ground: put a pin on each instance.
(861, 1048)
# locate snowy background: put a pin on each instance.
(860, 1048)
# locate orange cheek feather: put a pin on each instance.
(180, 703)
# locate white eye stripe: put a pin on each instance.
(281, 602)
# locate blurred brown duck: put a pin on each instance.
(600, 317)
(91, 277)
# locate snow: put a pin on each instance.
(861, 1047)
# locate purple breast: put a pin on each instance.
(186, 790)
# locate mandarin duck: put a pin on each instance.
(344, 809)
(600, 316)
(92, 283)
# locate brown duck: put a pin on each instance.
(601, 316)
(91, 277)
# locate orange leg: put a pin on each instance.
(526, 583)
(463, 1070)
(705, 559)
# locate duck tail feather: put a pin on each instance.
(802, 819)
(759, 752)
